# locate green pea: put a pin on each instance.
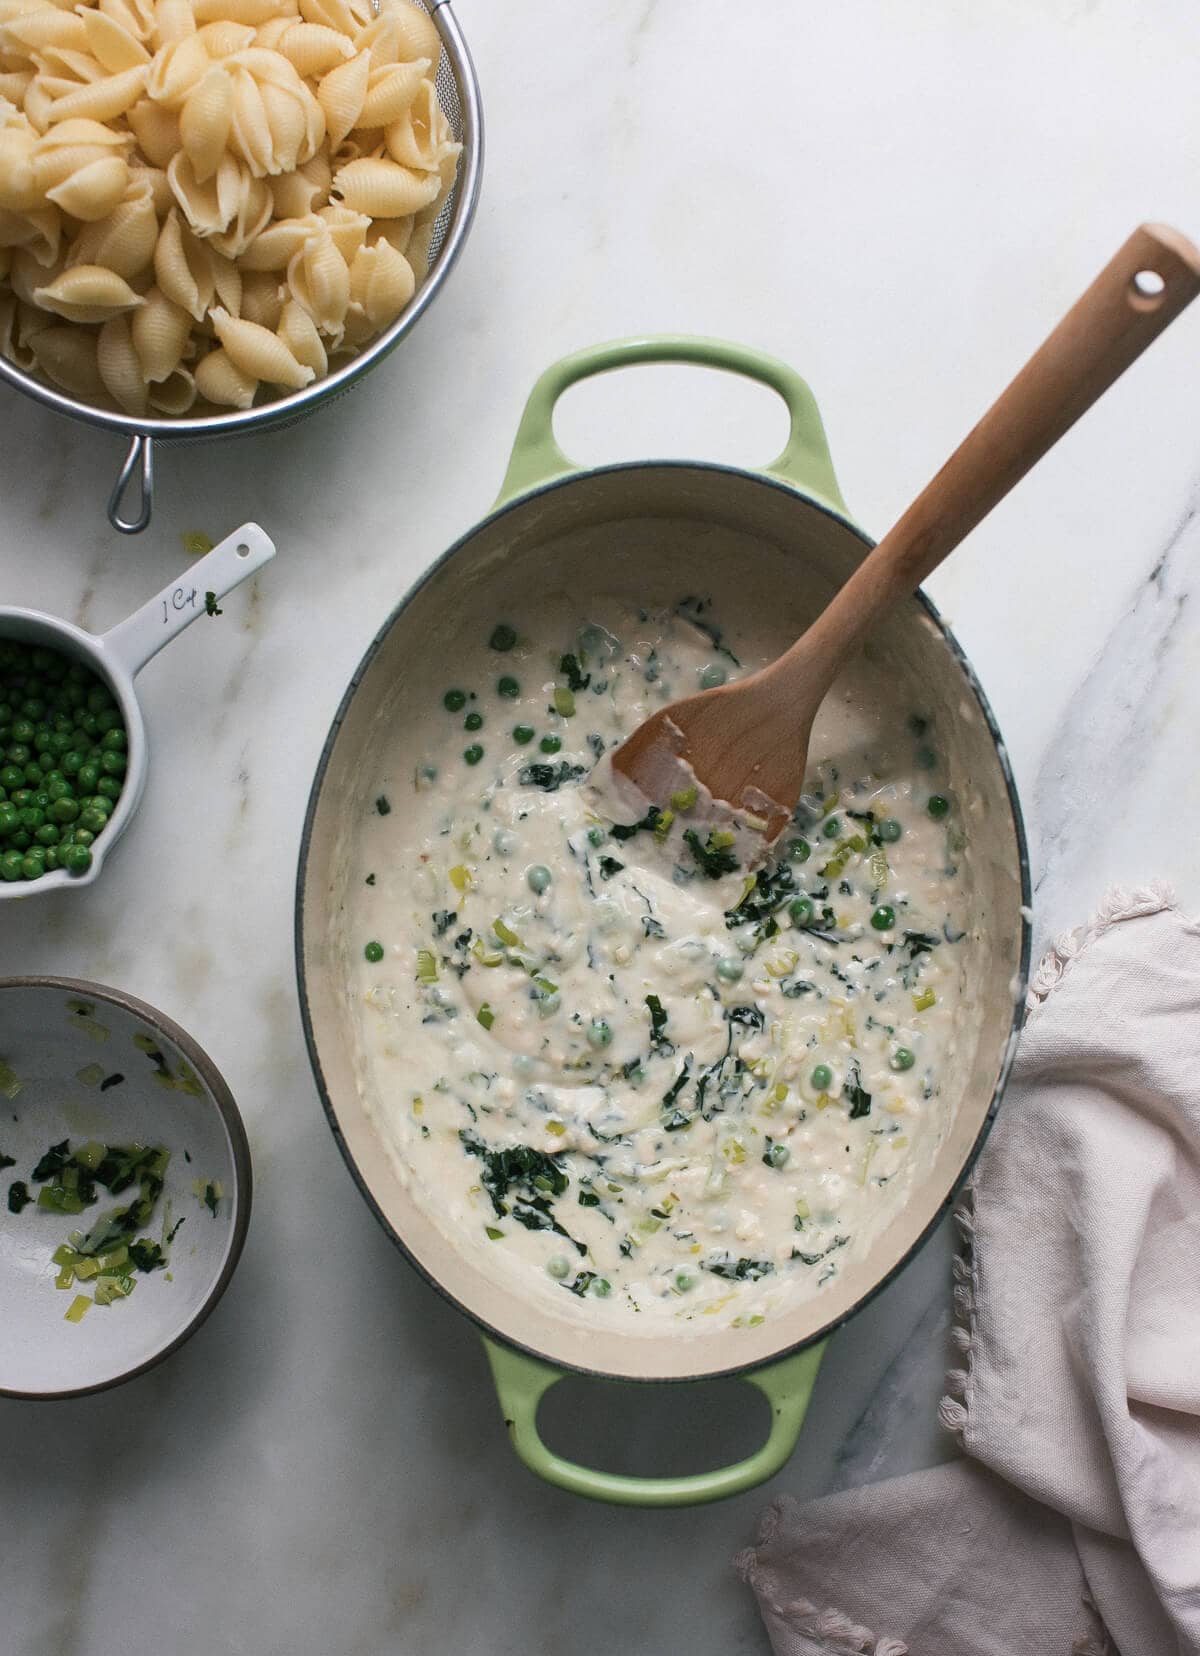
(799, 850)
(902, 1059)
(32, 817)
(504, 842)
(47, 834)
(821, 1077)
(20, 839)
(711, 676)
(76, 859)
(550, 744)
(70, 762)
(729, 968)
(473, 721)
(62, 809)
(537, 877)
(89, 775)
(558, 1267)
(10, 817)
(113, 762)
(473, 754)
(779, 1155)
(82, 836)
(889, 830)
(503, 637)
(374, 952)
(801, 910)
(33, 865)
(683, 1281)
(114, 740)
(22, 731)
(883, 918)
(10, 865)
(596, 835)
(508, 687)
(11, 777)
(523, 734)
(599, 1033)
(52, 861)
(19, 754)
(57, 787)
(454, 701)
(832, 828)
(109, 787)
(938, 806)
(602, 1288)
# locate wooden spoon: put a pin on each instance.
(748, 742)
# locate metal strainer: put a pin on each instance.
(458, 90)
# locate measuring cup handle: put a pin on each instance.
(805, 461)
(140, 636)
(139, 459)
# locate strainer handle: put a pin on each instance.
(140, 460)
(522, 1382)
(805, 462)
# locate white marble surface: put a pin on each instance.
(898, 200)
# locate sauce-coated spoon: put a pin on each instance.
(748, 742)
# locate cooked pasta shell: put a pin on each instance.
(275, 247)
(418, 32)
(20, 190)
(93, 191)
(68, 357)
(397, 231)
(159, 330)
(47, 26)
(119, 367)
(104, 100)
(319, 279)
(87, 293)
(294, 195)
(380, 37)
(334, 14)
(175, 395)
(250, 126)
(382, 282)
(251, 213)
(242, 11)
(341, 94)
(14, 84)
(384, 189)
(421, 138)
(37, 232)
(314, 48)
(123, 242)
(207, 206)
(299, 333)
(204, 122)
(177, 70)
(182, 268)
(111, 45)
(270, 33)
(390, 92)
(262, 297)
(65, 70)
(219, 380)
(12, 345)
(259, 353)
(173, 20)
(157, 131)
(135, 16)
(154, 180)
(347, 228)
(223, 38)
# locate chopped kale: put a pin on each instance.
(113, 1080)
(651, 927)
(549, 777)
(588, 1198)
(714, 860)
(816, 1258)
(581, 1284)
(626, 830)
(691, 609)
(18, 1196)
(55, 1159)
(610, 866)
(739, 1270)
(771, 889)
(750, 1017)
(576, 679)
(442, 919)
(210, 1198)
(383, 805)
(596, 743)
(793, 988)
(7, 1161)
(174, 1230)
(370, 879)
(147, 1256)
(674, 1119)
(860, 1101)
(658, 1027)
(211, 607)
(919, 943)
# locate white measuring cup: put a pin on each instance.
(117, 657)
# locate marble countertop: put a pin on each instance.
(900, 201)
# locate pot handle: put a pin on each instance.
(140, 459)
(522, 1381)
(805, 462)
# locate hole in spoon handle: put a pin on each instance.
(140, 459)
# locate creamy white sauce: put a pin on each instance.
(620, 1077)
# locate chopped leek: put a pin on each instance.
(10, 1086)
(923, 1001)
(77, 1309)
(486, 1016)
(506, 935)
(564, 703)
(684, 798)
(460, 877)
(427, 971)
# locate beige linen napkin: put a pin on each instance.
(1072, 1528)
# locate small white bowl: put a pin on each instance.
(118, 655)
(64, 1040)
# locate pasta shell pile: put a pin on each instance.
(207, 201)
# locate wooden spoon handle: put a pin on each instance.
(1153, 276)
